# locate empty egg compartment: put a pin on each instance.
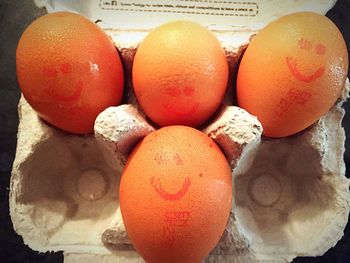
(63, 192)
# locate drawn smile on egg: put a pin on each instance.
(52, 91)
(157, 186)
(181, 109)
(293, 68)
(292, 63)
(67, 98)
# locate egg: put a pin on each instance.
(292, 72)
(180, 74)
(68, 70)
(175, 195)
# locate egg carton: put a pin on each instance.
(290, 195)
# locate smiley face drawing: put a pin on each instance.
(55, 76)
(165, 159)
(181, 103)
(157, 185)
(292, 63)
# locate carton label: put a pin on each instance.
(193, 7)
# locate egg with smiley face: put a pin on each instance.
(175, 195)
(292, 72)
(180, 74)
(68, 70)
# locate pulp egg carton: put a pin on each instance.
(290, 196)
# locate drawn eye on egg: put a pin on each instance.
(292, 63)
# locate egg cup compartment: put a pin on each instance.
(63, 192)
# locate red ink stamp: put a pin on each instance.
(173, 91)
(184, 105)
(189, 91)
(177, 218)
(305, 44)
(173, 220)
(160, 159)
(283, 106)
(299, 96)
(176, 91)
(181, 111)
(66, 98)
(294, 96)
(169, 234)
(157, 186)
(55, 91)
(50, 72)
(66, 68)
(320, 49)
(177, 159)
(165, 159)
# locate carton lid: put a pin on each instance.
(220, 15)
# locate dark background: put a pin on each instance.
(15, 16)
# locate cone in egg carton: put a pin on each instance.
(71, 192)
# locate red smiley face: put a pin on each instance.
(292, 63)
(157, 186)
(165, 159)
(181, 103)
(55, 77)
